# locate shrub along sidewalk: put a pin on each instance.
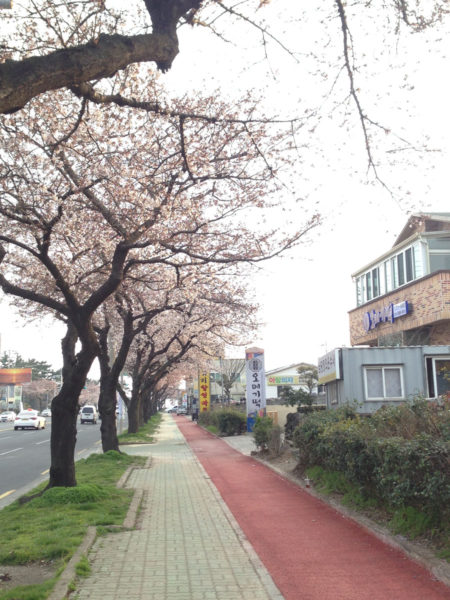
(397, 462)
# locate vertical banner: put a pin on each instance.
(256, 385)
(204, 391)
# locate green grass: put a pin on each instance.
(212, 429)
(145, 433)
(51, 526)
(83, 568)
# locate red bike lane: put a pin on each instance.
(311, 551)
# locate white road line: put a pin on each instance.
(9, 451)
(43, 442)
(45, 472)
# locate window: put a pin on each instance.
(383, 383)
(369, 286)
(401, 269)
(438, 372)
(395, 271)
(332, 392)
(409, 264)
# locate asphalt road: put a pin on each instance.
(25, 456)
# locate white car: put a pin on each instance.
(88, 414)
(46, 412)
(7, 416)
(29, 419)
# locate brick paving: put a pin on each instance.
(186, 544)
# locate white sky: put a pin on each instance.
(306, 295)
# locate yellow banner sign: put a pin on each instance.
(204, 392)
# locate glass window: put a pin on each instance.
(394, 271)
(401, 269)
(438, 262)
(383, 383)
(359, 299)
(332, 391)
(393, 383)
(442, 368)
(369, 286)
(409, 265)
(388, 275)
(375, 283)
(374, 383)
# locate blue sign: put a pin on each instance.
(387, 314)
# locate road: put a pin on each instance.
(25, 456)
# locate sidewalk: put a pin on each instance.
(187, 545)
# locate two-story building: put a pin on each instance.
(400, 328)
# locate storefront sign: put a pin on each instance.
(204, 392)
(387, 314)
(329, 366)
(283, 380)
(256, 381)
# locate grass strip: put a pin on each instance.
(145, 433)
(51, 527)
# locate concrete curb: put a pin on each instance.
(439, 568)
(61, 588)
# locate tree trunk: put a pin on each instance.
(65, 409)
(107, 409)
(133, 413)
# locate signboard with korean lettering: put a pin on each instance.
(204, 392)
(329, 368)
(256, 382)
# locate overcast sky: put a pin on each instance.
(306, 295)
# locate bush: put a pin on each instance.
(400, 455)
(262, 432)
(227, 421)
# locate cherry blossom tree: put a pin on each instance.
(85, 202)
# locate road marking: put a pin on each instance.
(98, 443)
(9, 451)
(6, 494)
(45, 472)
(43, 442)
(81, 451)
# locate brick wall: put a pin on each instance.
(429, 300)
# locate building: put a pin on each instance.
(400, 328)
(403, 296)
(372, 377)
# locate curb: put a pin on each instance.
(61, 588)
(440, 569)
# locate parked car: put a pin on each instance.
(7, 416)
(172, 409)
(88, 414)
(181, 410)
(46, 412)
(29, 419)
